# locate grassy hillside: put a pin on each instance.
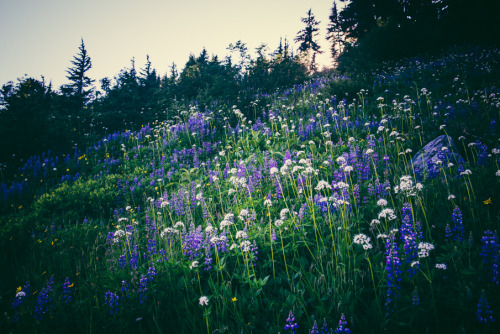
(303, 213)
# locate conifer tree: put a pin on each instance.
(334, 33)
(306, 37)
(76, 75)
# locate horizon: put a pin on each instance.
(115, 36)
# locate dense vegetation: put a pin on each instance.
(256, 196)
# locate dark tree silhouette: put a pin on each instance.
(76, 75)
(306, 37)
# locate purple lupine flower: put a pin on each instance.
(111, 300)
(314, 329)
(122, 260)
(19, 300)
(151, 247)
(484, 314)
(490, 256)
(415, 300)
(193, 242)
(448, 234)
(324, 328)
(125, 289)
(409, 239)
(342, 328)
(393, 269)
(291, 325)
(134, 258)
(67, 293)
(482, 151)
(43, 301)
(457, 228)
(356, 193)
(144, 281)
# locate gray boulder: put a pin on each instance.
(433, 151)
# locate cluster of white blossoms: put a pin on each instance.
(382, 202)
(322, 185)
(168, 231)
(214, 240)
(340, 185)
(241, 234)
(286, 167)
(466, 172)
(364, 240)
(441, 266)
(424, 248)
(243, 214)
(193, 265)
(203, 301)
(348, 169)
(245, 246)
(278, 223)
(283, 213)
(387, 214)
(268, 203)
(406, 186)
(238, 181)
(227, 221)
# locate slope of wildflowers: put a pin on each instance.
(305, 214)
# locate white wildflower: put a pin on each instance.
(283, 213)
(322, 185)
(203, 301)
(193, 265)
(241, 234)
(382, 202)
(387, 214)
(424, 248)
(441, 266)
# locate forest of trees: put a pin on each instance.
(35, 117)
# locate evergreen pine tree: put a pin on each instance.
(306, 37)
(76, 75)
(334, 33)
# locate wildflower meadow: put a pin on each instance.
(310, 211)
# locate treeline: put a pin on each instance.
(35, 117)
(364, 32)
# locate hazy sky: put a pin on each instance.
(40, 37)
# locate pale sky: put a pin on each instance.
(40, 37)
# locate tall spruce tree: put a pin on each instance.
(334, 33)
(76, 75)
(306, 38)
